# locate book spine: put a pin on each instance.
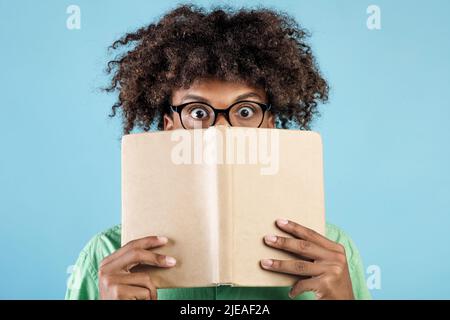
(212, 205)
(225, 224)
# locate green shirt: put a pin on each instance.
(83, 281)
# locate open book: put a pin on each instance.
(215, 193)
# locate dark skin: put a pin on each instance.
(321, 264)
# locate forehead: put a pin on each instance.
(217, 90)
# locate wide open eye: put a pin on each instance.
(245, 112)
(198, 113)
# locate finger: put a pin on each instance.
(305, 285)
(136, 257)
(139, 279)
(305, 233)
(301, 247)
(142, 243)
(296, 267)
(125, 292)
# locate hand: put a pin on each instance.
(114, 276)
(322, 264)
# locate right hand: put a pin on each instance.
(115, 280)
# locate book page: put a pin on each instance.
(292, 188)
(179, 201)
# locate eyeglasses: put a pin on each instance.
(243, 113)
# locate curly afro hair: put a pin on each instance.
(260, 47)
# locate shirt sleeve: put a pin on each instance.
(357, 274)
(82, 282)
(355, 264)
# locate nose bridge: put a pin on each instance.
(222, 120)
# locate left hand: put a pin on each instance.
(322, 264)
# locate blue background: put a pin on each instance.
(385, 131)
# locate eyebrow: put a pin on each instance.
(202, 99)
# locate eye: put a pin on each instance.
(198, 113)
(245, 112)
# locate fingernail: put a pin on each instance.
(170, 261)
(267, 262)
(291, 295)
(282, 222)
(270, 238)
(162, 239)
